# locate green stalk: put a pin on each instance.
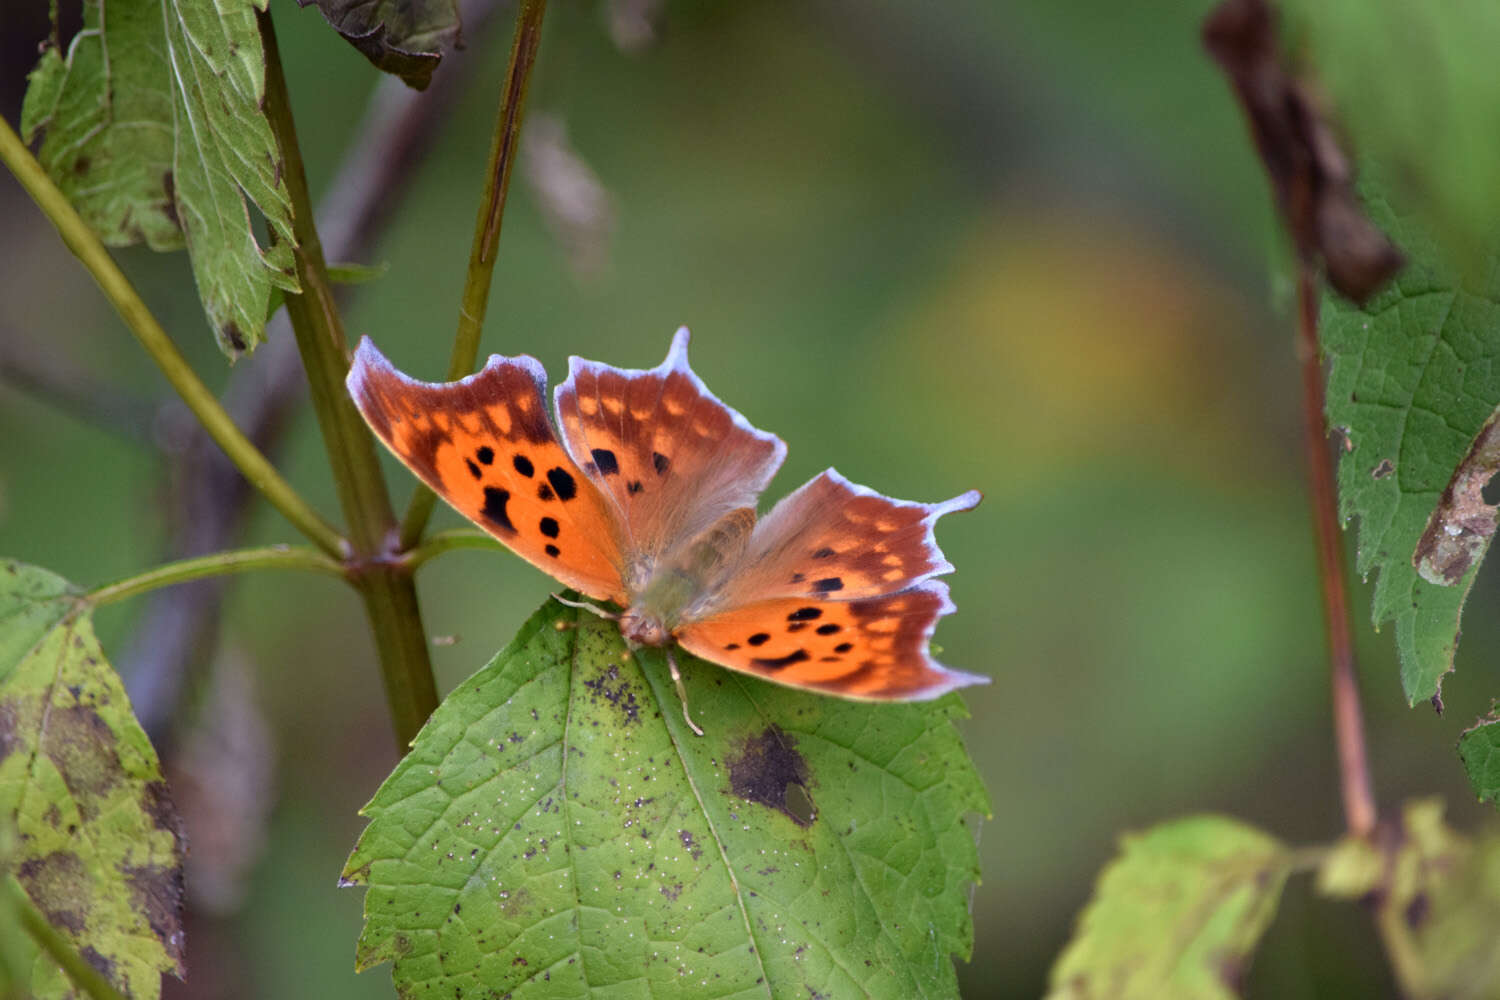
(476, 297)
(386, 586)
(88, 979)
(218, 564)
(447, 541)
(122, 295)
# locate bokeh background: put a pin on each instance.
(1021, 246)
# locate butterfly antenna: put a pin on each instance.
(586, 606)
(681, 693)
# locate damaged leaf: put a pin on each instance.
(557, 830)
(1310, 173)
(153, 127)
(1412, 382)
(404, 37)
(1438, 903)
(1176, 916)
(97, 845)
(1479, 749)
(1460, 528)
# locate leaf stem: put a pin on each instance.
(389, 594)
(447, 541)
(86, 246)
(1348, 721)
(503, 141)
(87, 978)
(217, 564)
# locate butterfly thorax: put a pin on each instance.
(679, 585)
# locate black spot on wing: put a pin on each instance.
(634, 486)
(824, 553)
(732, 646)
(486, 455)
(553, 551)
(830, 629)
(544, 493)
(660, 462)
(781, 662)
(473, 469)
(562, 483)
(495, 500)
(606, 462)
(843, 647)
(829, 584)
(759, 639)
(523, 466)
(549, 527)
(796, 626)
(805, 614)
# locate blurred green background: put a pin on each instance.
(1019, 246)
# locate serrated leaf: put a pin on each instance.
(557, 831)
(403, 37)
(153, 128)
(106, 112)
(97, 843)
(1438, 905)
(1176, 915)
(1413, 379)
(1479, 748)
(225, 153)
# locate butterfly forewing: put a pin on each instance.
(874, 648)
(672, 458)
(485, 444)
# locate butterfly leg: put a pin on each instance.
(586, 606)
(681, 693)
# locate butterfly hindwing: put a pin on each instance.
(873, 649)
(673, 459)
(485, 444)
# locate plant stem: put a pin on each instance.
(83, 975)
(482, 253)
(218, 564)
(1348, 722)
(447, 541)
(82, 241)
(389, 594)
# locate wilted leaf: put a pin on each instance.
(97, 844)
(1438, 903)
(403, 37)
(558, 831)
(1414, 378)
(1176, 915)
(106, 112)
(153, 127)
(1479, 748)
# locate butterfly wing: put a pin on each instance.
(669, 456)
(835, 594)
(486, 445)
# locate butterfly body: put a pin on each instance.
(643, 493)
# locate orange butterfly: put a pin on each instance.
(646, 498)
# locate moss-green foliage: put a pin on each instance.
(557, 831)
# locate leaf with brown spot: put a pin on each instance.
(96, 843)
(1459, 531)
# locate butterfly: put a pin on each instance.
(640, 489)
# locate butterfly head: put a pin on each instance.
(641, 628)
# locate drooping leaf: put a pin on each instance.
(1437, 894)
(1176, 915)
(1479, 748)
(557, 831)
(97, 845)
(403, 37)
(153, 126)
(1414, 378)
(106, 115)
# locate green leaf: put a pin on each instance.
(339, 274)
(1438, 906)
(107, 116)
(153, 128)
(1414, 378)
(1479, 748)
(557, 831)
(1176, 915)
(97, 843)
(404, 37)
